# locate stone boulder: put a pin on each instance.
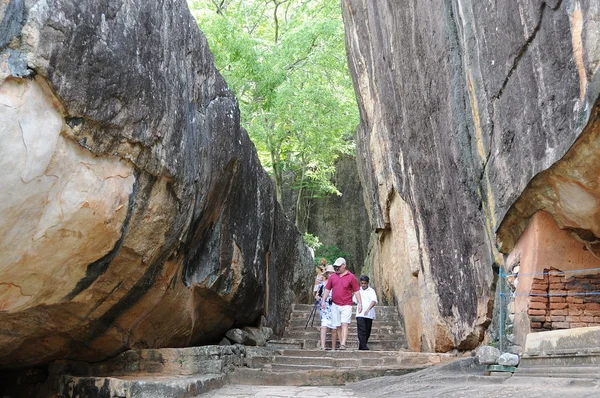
(465, 107)
(508, 359)
(486, 355)
(248, 335)
(135, 212)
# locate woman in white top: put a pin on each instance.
(326, 313)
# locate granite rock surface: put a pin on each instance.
(134, 210)
(474, 116)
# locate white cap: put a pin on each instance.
(339, 261)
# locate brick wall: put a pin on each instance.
(560, 302)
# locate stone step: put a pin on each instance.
(358, 361)
(563, 359)
(376, 345)
(353, 358)
(378, 317)
(379, 309)
(316, 367)
(562, 353)
(581, 372)
(285, 344)
(343, 353)
(316, 335)
(292, 376)
(143, 385)
(381, 330)
(377, 323)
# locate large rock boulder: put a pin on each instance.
(462, 105)
(134, 210)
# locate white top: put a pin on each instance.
(367, 296)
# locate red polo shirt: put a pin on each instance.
(342, 288)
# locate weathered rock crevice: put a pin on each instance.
(515, 63)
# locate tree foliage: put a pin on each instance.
(285, 60)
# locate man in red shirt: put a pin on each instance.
(343, 285)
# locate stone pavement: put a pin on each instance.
(394, 386)
(457, 380)
(241, 391)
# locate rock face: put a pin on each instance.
(134, 210)
(342, 221)
(462, 105)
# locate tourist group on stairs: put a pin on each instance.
(338, 289)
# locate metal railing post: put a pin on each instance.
(501, 276)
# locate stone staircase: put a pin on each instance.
(292, 360)
(386, 335)
(295, 359)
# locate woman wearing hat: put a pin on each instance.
(326, 312)
(320, 270)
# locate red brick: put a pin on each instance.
(537, 318)
(573, 318)
(555, 318)
(574, 300)
(539, 287)
(577, 306)
(558, 299)
(578, 325)
(559, 312)
(557, 286)
(537, 306)
(558, 306)
(596, 318)
(536, 325)
(580, 280)
(587, 318)
(560, 325)
(537, 312)
(575, 311)
(539, 299)
(591, 313)
(592, 306)
(556, 279)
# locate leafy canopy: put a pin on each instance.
(285, 60)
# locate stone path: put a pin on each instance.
(459, 379)
(239, 391)
(417, 386)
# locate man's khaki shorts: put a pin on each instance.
(340, 314)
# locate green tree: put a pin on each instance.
(285, 60)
